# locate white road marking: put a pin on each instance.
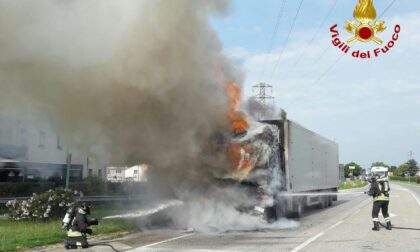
(160, 242)
(415, 197)
(401, 188)
(307, 242)
(335, 225)
(355, 212)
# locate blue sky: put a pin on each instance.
(370, 107)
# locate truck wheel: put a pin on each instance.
(270, 214)
(330, 201)
(322, 204)
(297, 210)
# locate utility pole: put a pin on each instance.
(262, 93)
(68, 161)
(410, 155)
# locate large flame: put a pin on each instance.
(240, 156)
(238, 119)
(365, 11)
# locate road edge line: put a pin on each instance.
(313, 238)
(307, 242)
(160, 242)
(414, 196)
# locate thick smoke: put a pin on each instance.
(127, 82)
(131, 81)
(260, 111)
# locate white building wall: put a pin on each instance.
(43, 144)
(115, 174)
(136, 173)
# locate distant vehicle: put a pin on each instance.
(300, 162)
(381, 171)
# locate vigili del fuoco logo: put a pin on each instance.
(366, 29)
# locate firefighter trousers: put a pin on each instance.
(380, 205)
(74, 242)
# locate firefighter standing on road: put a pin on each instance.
(379, 190)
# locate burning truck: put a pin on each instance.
(283, 165)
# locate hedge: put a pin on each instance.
(405, 179)
(23, 189)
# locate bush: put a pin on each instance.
(49, 205)
(405, 179)
(399, 178)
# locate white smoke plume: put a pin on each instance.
(126, 82)
(143, 80)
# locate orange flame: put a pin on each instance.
(239, 156)
(238, 120)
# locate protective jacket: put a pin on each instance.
(379, 190)
(79, 225)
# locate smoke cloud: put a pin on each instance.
(127, 81)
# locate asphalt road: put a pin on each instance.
(346, 226)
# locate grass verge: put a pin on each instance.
(412, 181)
(15, 235)
(352, 184)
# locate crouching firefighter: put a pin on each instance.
(379, 190)
(76, 223)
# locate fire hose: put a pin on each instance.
(105, 244)
(394, 227)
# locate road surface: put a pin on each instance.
(346, 226)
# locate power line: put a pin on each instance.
(316, 33)
(274, 35)
(318, 79)
(386, 9)
(317, 59)
(287, 38)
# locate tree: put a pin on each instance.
(402, 170)
(379, 164)
(392, 168)
(412, 167)
(356, 171)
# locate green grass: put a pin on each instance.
(411, 181)
(406, 182)
(16, 235)
(352, 184)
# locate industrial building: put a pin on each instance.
(32, 151)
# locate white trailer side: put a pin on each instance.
(311, 160)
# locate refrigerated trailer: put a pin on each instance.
(302, 171)
(311, 165)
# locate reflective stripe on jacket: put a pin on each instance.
(72, 233)
(381, 197)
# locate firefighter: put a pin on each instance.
(78, 227)
(379, 190)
